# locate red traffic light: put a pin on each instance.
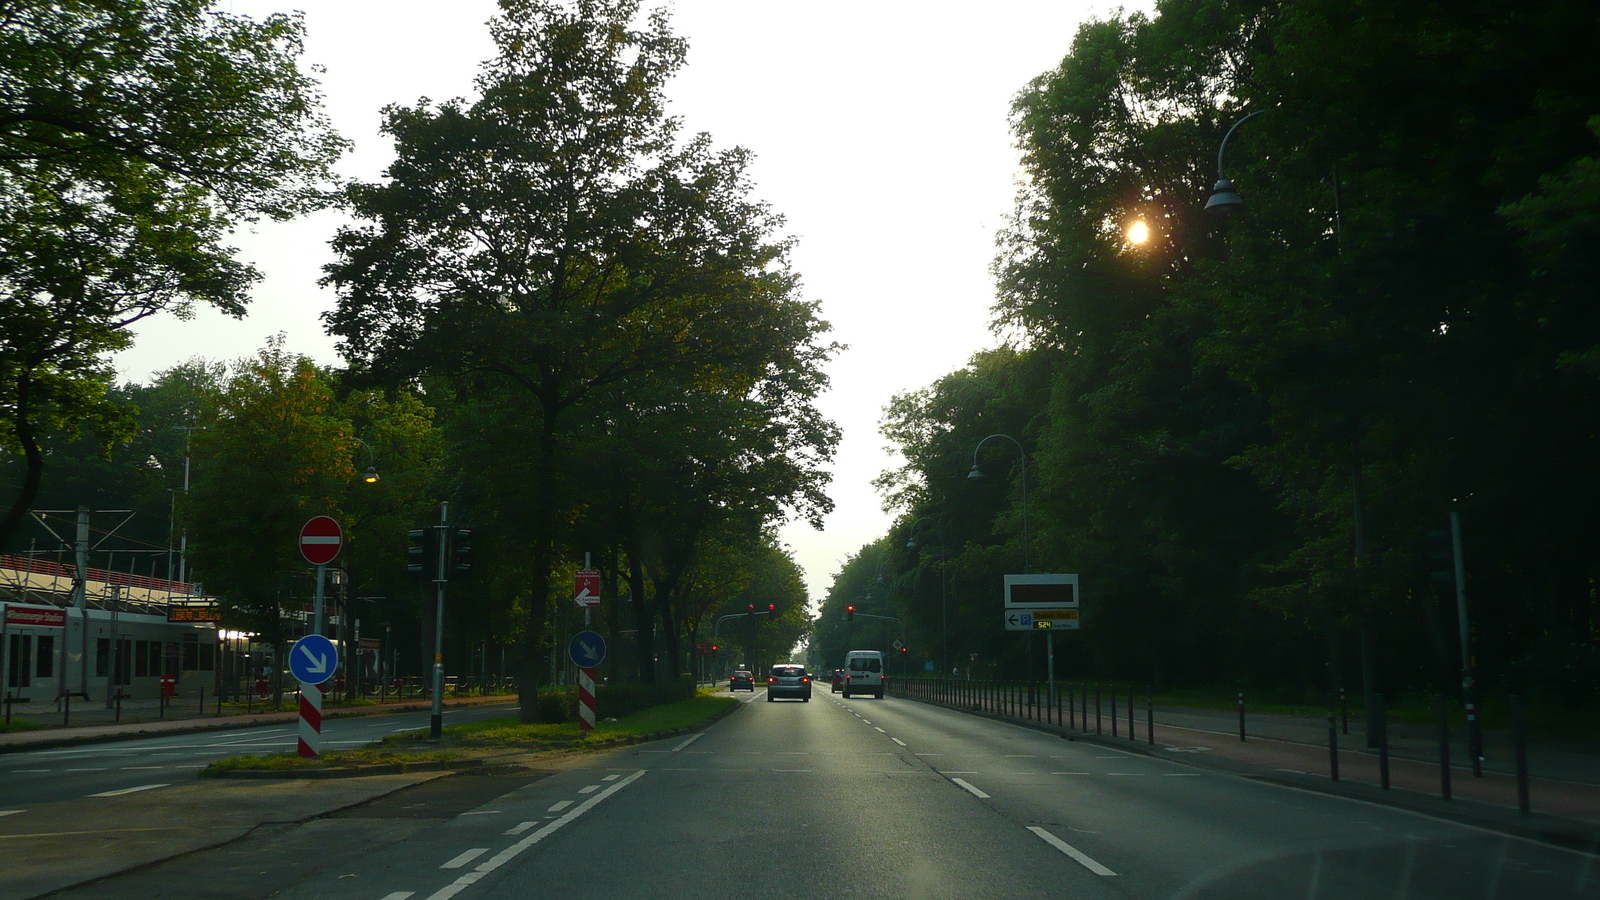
(771, 607)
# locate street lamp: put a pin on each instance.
(1225, 199)
(371, 475)
(977, 474)
(944, 605)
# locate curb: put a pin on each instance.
(1572, 834)
(214, 725)
(348, 771)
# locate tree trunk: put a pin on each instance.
(544, 519)
(34, 475)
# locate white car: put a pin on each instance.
(863, 673)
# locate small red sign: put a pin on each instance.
(36, 616)
(586, 587)
(704, 648)
(320, 540)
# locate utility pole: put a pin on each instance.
(436, 721)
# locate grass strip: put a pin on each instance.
(283, 762)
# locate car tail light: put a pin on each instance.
(805, 681)
(770, 679)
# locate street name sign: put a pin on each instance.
(313, 659)
(586, 588)
(320, 540)
(1041, 620)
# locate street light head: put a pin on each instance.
(912, 543)
(1224, 200)
(372, 475)
(976, 473)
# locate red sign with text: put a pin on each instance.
(36, 616)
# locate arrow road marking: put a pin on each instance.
(319, 664)
(1071, 851)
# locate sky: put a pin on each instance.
(880, 132)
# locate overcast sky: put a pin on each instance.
(879, 129)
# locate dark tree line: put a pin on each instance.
(1242, 431)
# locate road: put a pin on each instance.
(43, 776)
(869, 798)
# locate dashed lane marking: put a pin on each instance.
(10, 812)
(879, 730)
(1071, 851)
(511, 852)
(521, 828)
(399, 895)
(559, 805)
(898, 741)
(589, 789)
(465, 857)
(131, 790)
(692, 739)
(970, 789)
(483, 812)
(611, 778)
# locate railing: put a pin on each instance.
(1071, 708)
(36, 566)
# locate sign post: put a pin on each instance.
(587, 650)
(1042, 603)
(312, 660)
(320, 540)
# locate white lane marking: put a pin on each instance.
(483, 812)
(136, 768)
(86, 770)
(465, 857)
(1069, 773)
(10, 812)
(521, 828)
(957, 772)
(589, 789)
(1127, 773)
(970, 789)
(132, 790)
(611, 778)
(33, 771)
(559, 806)
(898, 741)
(511, 852)
(399, 895)
(930, 754)
(879, 730)
(1071, 851)
(692, 739)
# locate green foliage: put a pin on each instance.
(1244, 428)
(135, 136)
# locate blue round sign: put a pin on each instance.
(587, 649)
(313, 659)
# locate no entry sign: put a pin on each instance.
(320, 539)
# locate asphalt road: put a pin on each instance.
(31, 777)
(868, 798)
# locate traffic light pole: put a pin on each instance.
(1468, 688)
(436, 720)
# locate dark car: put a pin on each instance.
(838, 680)
(789, 681)
(742, 680)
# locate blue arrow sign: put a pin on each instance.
(313, 659)
(587, 649)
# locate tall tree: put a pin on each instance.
(554, 240)
(133, 135)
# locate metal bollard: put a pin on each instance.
(1519, 746)
(1474, 736)
(202, 703)
(1131, 735)
(1241, 717)
(1444, 748)
(1072, 703)
(1097, 709)
(1381, 719)
(1150, 717)
(1344, 711)
(1333, 743)
(1113, 710)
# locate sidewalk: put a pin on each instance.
(1293, 751)
(44, 738)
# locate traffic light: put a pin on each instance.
(421, 560)
(752, 610)
(850, 613)
(772, 607)
(904, 650)
(460, 557)
(1441, 558)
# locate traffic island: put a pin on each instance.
(491, 743)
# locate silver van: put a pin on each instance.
(863, 673)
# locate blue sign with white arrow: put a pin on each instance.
(313, 659)
(587, 649)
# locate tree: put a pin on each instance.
(553, 242)
(133, 135)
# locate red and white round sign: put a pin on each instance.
(320, 539)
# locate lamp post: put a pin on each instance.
(1027, 567)
(944, 606)
(1225, 201)
(371, 475)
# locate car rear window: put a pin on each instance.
(865, 664)
(787, 672)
